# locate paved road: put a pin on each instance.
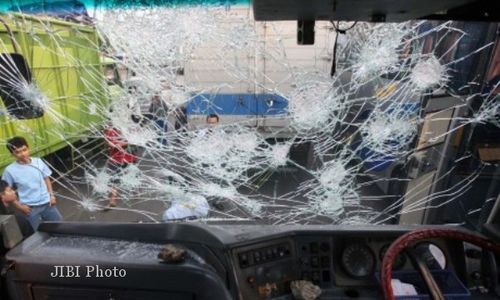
(144, 206)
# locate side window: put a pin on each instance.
(492, 81)
(431, 37)
(464, 67)
(15, 76)
(112, 76)
(446, 47)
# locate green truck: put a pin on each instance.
(52, 85)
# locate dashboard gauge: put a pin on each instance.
(398, 263)
(358, 260)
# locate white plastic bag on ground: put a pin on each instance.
(190, 206)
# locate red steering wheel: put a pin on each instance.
(410, 238)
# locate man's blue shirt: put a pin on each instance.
(28, 179)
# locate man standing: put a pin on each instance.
(212, 122)
(119, 159)
(9, 198)
(30, 177)
(159, 110)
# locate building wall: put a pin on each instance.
(270, 61)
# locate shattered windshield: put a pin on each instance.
(151, 113)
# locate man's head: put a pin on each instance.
(19, 148)
(212, 119)
(7, 194)
(156, 98)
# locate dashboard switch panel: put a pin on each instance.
(314, 260)
(264, 255)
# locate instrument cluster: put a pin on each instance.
(266, 269)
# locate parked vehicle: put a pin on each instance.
(62, 74)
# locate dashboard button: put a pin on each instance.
(314, 261)
(269, 253)
(325, 261)
(306, 276)
(257, 257)
(304, 261)
(243, 260)
(315, 277)
(314, 247)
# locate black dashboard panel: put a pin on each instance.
(319, 258)
(78, 293)
(61, 266)
(318, 255)
(224, 261)
(265, 270)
